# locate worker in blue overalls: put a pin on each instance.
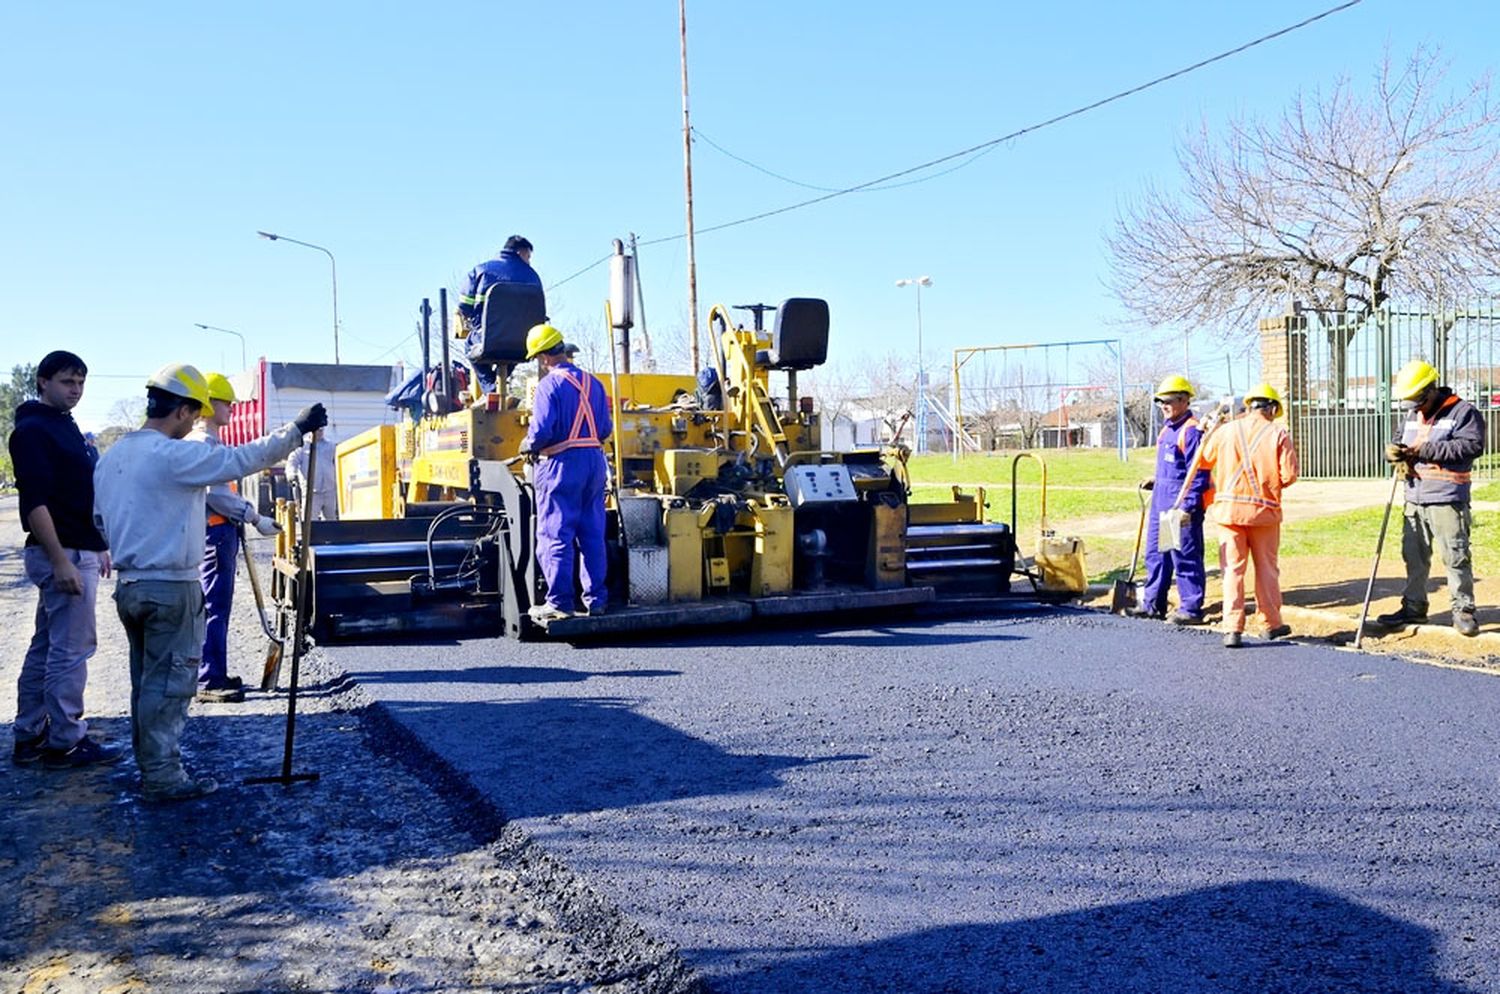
(569, 422)
(1176, 447)
(511, 265)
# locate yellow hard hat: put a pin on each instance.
(182, 380)
(1263, 391)
(1413, 378)
(219, 387)
(1174, 384)
(542, 338)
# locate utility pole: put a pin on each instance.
(687, 179)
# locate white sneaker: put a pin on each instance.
(544, 613)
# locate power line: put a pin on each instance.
(1028, 129)
(970, 154)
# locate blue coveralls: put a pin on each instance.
(1175, 448)
(569, 422)
(216, 574)
(507, 267)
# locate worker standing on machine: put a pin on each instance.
(149, 502)
(570, 419)
(1252, 460)
(511, 265)
(227, 513)
(325, 478)
(1439, 442)
(1176, 450)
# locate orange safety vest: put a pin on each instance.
(577, 438)
(219, 519)
(1250, 468)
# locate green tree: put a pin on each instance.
(22, 387)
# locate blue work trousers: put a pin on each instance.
(1186, 564)
(570, 522)
(217, 576)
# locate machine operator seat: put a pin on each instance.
(509, 311)
(799, 339)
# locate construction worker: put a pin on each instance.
(65, 557)
(1176, 449)
(570, 420)
(1251, 460)
(1440, 440)
(228, 512)
(325, 481)
(149, 503)
(511, 265)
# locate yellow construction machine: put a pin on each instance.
(723, 505)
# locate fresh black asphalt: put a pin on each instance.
(1054, 801)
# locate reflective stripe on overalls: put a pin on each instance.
(1431, 470)
(1231, 492)
(584, 418)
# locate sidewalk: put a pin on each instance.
(388, 874)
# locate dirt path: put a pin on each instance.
(388, 874)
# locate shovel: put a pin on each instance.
(273, 643)
(1122, 598)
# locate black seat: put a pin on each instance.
(509, 311)
(799, 339)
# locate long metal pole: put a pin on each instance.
(640, 308)
(921, 380)
(687, 181)
(1119, 351)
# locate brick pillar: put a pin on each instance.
(1283, 364)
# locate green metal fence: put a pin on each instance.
(1338, 370)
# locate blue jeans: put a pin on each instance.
(49, 691)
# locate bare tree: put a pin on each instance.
(1346, 201)
(887, 388)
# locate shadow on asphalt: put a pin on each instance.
(880, 633)
(498, 674)
(550, 757)
(1244, 938)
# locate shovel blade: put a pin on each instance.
(1122, 597)
(272, 671)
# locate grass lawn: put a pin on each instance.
(1354, 533)
(1065, 467)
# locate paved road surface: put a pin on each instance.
(1063, 802)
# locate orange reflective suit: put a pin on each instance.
(1251, 460)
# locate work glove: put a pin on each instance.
(1397, 453)
(267, 526)
(311, 419)
(1148, 484)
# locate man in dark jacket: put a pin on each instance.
(65, 558)
(1436, 449)
(512, 265)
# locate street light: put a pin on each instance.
(921, 405)
(244, 364)
(335, 268)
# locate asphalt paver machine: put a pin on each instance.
(723, 505)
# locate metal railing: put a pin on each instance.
(1339, 367)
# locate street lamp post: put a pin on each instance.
(244, 363)
(335, 269)
(921, 404)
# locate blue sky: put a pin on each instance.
(144, 144)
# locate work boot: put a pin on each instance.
(220, 695)
(1464, 623)
(86, 753)
(1279, 632)
(1398, 619)
(595, 610)
(29, 750)
(187, 790)
(544, 613)
(1233, 640)
(1184, 618)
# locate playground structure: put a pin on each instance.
(1029, 392)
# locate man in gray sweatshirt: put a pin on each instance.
(149, 504)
